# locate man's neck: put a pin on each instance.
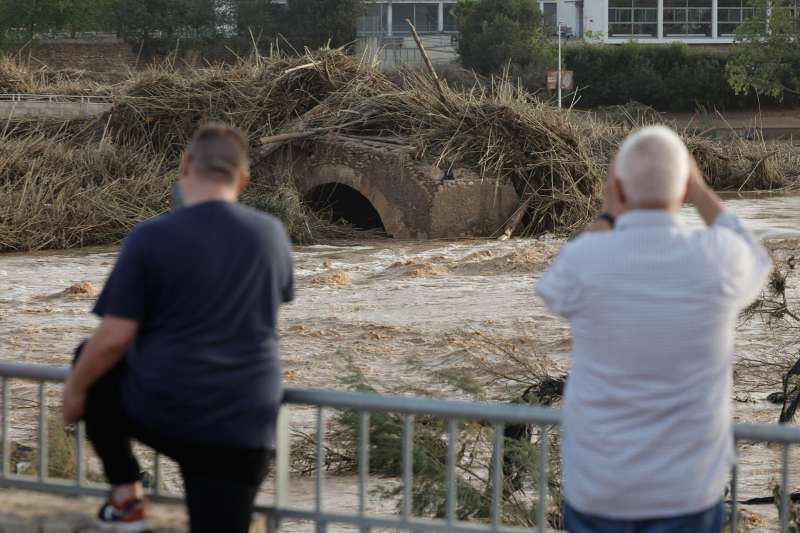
(668, 208)
(194, 195)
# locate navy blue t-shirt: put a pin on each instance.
(205, 284)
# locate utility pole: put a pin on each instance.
(560, 24)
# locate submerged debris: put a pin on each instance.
(336, 278)
(84, 289)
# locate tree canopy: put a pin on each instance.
(766, 60)
(315, 23)
(495, 33)
(159, 25)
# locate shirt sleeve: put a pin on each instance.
(560, 287)
(124, 293)
(745, 269)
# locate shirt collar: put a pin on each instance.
(647, 218)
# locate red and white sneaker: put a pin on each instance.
(126, 518)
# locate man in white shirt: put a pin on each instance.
(647, 443)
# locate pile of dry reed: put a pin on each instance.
(56, 194)
(18, 77)
(496, 128)
(88, 182)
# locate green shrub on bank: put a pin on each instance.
(667, 77)
(61, 458)
(496, 33)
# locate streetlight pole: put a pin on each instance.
(559, 63)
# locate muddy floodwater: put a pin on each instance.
(403, 314)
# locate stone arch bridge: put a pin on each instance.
(383, 186)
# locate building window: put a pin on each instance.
(550, 16)
(375, 22)
(731, 14)
(425, 17)
(450, 23)
(633, 18)
(687, 18)
(793, 8)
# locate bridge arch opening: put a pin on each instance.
(343, 203)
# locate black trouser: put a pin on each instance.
(220, 483)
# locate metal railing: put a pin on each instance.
(56, 99)
(454, 412)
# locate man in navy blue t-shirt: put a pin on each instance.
(186, 356)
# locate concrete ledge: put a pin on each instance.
(54, 110)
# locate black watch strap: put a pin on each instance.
(608, 218)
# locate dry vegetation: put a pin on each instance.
(88, 182)
(17, 77)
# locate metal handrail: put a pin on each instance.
(364, 405)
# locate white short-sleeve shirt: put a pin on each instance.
(647, 407)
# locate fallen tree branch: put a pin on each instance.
(515, 220)
(271, 143)
(428, 63)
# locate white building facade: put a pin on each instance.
(385, 34)
(704, 22)
(612, 21)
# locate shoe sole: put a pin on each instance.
(135, 527)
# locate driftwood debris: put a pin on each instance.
(428, 63)
(295, 132)
(515, 220)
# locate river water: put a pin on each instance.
(406, 315)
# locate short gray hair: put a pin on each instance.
(218, 152)
(653, 166)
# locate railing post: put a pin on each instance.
(43, 444)
(452, 477)
(156, 473)
(321, 527)
(497, 477)
(5, 465)
(544, 444)
(282, 460)
(734, 498)
(80, 459)
(408, 465)
(785, 500)
(363, 465)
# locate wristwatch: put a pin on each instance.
(608, 218)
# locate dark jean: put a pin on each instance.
(709, 521)
(220, 483)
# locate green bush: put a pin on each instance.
(667, 77)
(498, 33)
(316, 23)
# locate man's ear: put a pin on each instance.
(620, 192)
(186, 161)
(244, 180)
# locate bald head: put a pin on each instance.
(653, 168)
